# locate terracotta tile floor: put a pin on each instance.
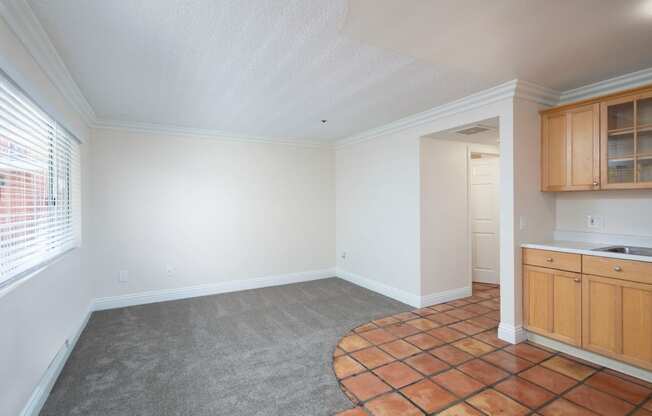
(447, 360)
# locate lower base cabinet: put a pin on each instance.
(599, 304)
(553, 303)
(617, 319)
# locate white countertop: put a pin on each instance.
(577, 247)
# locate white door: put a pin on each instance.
(484, 210)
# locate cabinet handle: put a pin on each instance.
(549, 260)
(577, 279)
(618, 269)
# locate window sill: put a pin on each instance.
(17, 281)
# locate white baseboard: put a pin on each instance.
(489, 278)
(389, 291)
(446, 296)
(591, 357)
(154, 296)
(401, 295)
(512, 334)
(42, 390)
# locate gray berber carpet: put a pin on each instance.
(252, 353)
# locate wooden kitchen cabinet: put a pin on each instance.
(552, 303)
(617, 319)
(570, 149)
(600, 304)
(598, 144)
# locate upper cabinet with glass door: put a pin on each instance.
(626, 135)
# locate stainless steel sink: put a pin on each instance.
(636, 251)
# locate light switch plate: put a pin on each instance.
(522, 222)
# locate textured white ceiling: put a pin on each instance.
(275, 68)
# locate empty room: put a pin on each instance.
(325, 208)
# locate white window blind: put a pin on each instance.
(40, 185)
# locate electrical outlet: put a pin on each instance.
(595, 221)
(170, 270)
(123, 276)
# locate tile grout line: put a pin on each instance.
(446, 343)
(462, 399)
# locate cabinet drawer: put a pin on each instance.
(552, 259)
(636, 271)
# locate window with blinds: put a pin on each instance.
(40, 186)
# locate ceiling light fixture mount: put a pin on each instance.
(324, 121)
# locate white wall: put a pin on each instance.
(214, 210)
(40, 313)
(378, 205)
(377, 202)
(627, 216)
(445, 251)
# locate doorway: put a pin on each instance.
(460, 180)
(484, 217)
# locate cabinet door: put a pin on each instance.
(584, 148)
(617, 319)
(627, 142)
(553, 152)
(553, 303)
(570, 151)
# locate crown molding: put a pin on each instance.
(24, 23)
(536, 93)
(164, 129)
(608, 86)
(497, 93)
(513, 89)
(508, 90)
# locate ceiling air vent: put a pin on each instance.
(472, 130)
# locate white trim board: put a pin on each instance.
(512, 334)
(42, 390)
(591, 357)
(445, 296)
(401, 295)
(26, 26)
(22, 20)
(512, 89)
(497, 93)
(386, 290)
(515, 88)
(168, 130)
(154, 296)
(608, 86)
